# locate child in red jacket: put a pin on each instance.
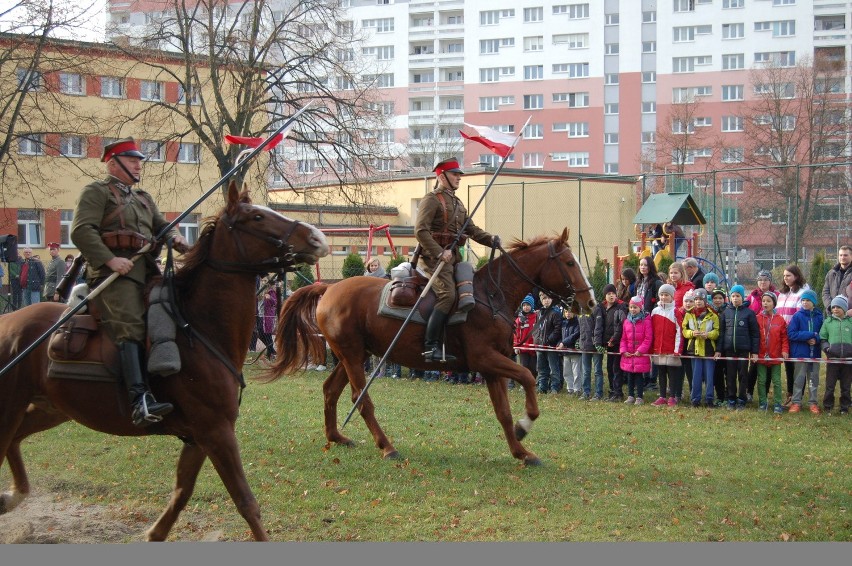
(774, 344)
(666, 347)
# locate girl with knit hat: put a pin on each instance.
(701, 330)
(522, 338)
(634, 346)
(774, 344)
(790, 301)
(710, 282)
(836, 341)
(803, 332)
(738, 338)
(666, 347)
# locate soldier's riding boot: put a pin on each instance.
(433, 350)
(145, 409)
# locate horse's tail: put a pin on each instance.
(297, 336)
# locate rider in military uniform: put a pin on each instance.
(440, 216)
(111, 222)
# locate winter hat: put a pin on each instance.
(763, 273)
(810, 296)
(739, 290)
(719, 291)
(771, 295)
(609, 288)
(529, 300)
(637, 301)
(666, 288)
(700, 294)
(840, 301)
(710, 277)
(689, 295)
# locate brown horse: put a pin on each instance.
(346, 317)
(216, 290)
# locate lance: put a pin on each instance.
(147, 247)
(432, 279)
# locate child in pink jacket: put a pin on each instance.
(636, 339)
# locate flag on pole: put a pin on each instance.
(254, 142)
(498, 142)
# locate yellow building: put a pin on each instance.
(521, 204)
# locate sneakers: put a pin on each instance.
(844, 412)
(584, 397)
(740, 405)
(639, 401)
(762, 407)
(749, 398)
(596, 398)
(779, 409)
(696, 404)
(320, 368)
(788, 402)
(672, 402)
(659, 402)
(732, 405)
(630, 400)
(795, 408)
(711, 405)
(815, 409)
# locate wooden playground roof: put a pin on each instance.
(678, 208)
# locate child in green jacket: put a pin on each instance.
(836, 341)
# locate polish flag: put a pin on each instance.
(498, 142)
(254, 142)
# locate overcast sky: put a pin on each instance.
(89, 27)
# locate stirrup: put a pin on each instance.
(142, 416)
(442, 355)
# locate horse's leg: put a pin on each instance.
(189, 464)
(220, 444)
(332, 387)
(357, 381)
(498, 392)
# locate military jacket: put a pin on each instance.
(97, 204)
(430, 221)
(53, 274)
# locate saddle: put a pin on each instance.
(80, 349)
(399, 295)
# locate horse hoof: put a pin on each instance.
(520, 433)
(531, 461)
(10, 500)
(394, 455)
(349, 443)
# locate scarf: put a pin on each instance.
(636, 318)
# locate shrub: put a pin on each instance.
(600, 276)
(816, 278)
(302, 277)
(353, 265)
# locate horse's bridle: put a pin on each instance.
(282, 261)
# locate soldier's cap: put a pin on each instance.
(123, 147)
(447, 165)
(53, 246)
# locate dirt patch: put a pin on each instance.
(52, 518)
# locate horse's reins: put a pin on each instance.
(274, 263)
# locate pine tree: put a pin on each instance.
(353, 265)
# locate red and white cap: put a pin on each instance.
(123, 147)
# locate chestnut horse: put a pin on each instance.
(216, 292)
(345, 315)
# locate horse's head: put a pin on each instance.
(266, 239)
(563, 278)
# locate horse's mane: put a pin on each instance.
(516, 244)
(192, 260)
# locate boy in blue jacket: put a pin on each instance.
(803, 332)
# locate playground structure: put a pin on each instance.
(668, 210)
(370, 231)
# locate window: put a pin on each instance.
(649, 47)
(151, 91)
(733, 31)
(611, 49)
(385, 136)
(489, 75)
(783, 2)
(534, 131)
(578, 99)
(533, 101)
(679, 127)
(112, 87)
(610, 139)
(732, 92)
(578, 70)
(649, 137)
(72, 83)
(649, 107)
(573, 11)
(188, 227)
(649, 17)
(533, 160)
(29, 227)
(153, 150)
(611, 78)
(534, 14)
(762, 26)
(454, 104)
(702, 121)
(385, 80)
(381, 25)
(732, 123)
(29, 80)
(489, 103)
(733, 61)
(784, 28)
(572, 40)
(780, 58)
(611, 108)
(423, 77)
(731, 186)
(72, 146)
(578, 129)
(682, 34)
(611, 19)
(578, 159)
(66, 218)
(684, 5)
(533, 72)
(730, 216)
(189, 153)
(535, 43)
(31, 144)
(383, 164)
(731, 4)
(649, 77)
(683, 64)
(611, 168)
(194, 97)
(683, 157)
(733, 155)
(492, 17)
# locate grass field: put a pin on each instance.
(611, 472)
